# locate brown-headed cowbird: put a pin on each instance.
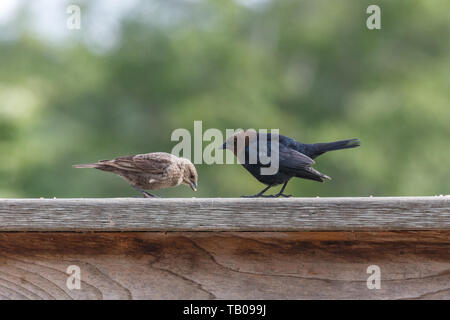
(294, 158)
(150, 171)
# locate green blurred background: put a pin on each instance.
(137, 70)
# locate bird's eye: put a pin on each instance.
(192, 176)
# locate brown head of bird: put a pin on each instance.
(190, 176)
(239, 140)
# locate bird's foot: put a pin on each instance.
(258, 196)
(149, 195)
(283, 195)
(279, 195)
(255, 196)
(145, 193)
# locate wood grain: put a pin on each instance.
(247, 249)
(225, 265)
(294, 214)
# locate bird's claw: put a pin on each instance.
(269, 196)
(277, 195)
(256, 196)
(284, 195)
(149, 195)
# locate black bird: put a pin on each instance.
(295, 158)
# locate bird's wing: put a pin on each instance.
(312, 174)
(293, 160)
(299, 164)
(288, 158)
(155, 163)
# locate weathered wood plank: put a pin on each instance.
(226, 265)
(294, 214)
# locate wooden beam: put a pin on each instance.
(226, 214)
(225, 265)
(305, 248)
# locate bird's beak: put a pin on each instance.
(193, 185)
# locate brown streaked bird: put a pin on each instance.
(150, 171)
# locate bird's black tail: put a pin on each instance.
(319, 148)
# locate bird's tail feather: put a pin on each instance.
(312, 174)
(87, 165)
(320, 175)
(320, 148)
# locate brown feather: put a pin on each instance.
(150, 171)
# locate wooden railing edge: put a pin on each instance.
(225, 214)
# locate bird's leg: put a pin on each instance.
(281, 194)
(260, 194)
(145, 193)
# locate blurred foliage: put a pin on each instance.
(310, 68)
